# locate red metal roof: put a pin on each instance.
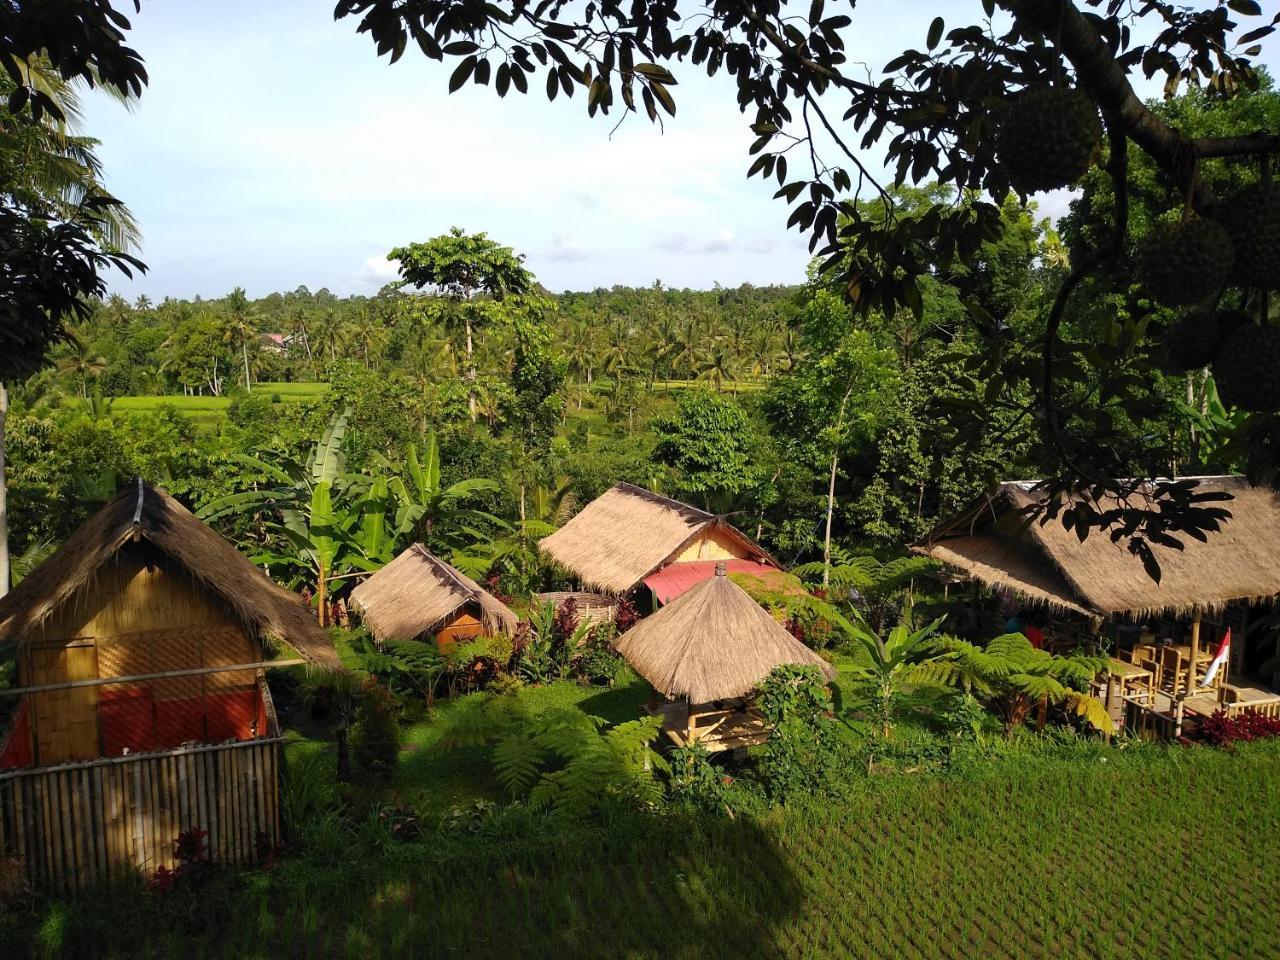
(675, 578)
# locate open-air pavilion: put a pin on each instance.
(1163, 634)
(705, 653)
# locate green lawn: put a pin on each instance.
(1060, 851)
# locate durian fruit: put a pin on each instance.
(1183, 263)
(1252, 220)
(1193, 340)
(1047, 137)
(1247, 368)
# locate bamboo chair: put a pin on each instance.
(1145, 657)
(1172, 669)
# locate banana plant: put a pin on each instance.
(891, 671)
(289, 484)
(433, 511)
(312, 539)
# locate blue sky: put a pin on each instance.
(272, 148)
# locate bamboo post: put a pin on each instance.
(1195, 652)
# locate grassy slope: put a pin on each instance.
(1151, 852)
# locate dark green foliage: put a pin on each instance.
(708, 445)
(1252, 220)
(1048, 137)
(1183, 263)
(462, 264)
(1192, 340)
(801, 753)
(375, 735)
(1246, 368)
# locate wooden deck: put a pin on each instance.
(1163, 717)
(717, 729)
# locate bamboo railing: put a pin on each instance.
(77, 823)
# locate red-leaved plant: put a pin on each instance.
(191, 850)
(625, 615)
(1221, 729)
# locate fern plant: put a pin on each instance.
(558, 758)
(866, 580)
(1013, 677)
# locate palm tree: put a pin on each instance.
(143, 302)
(75, 359)
(52, 167)
(55, 165)
(369, 333)
(716, 363)
(298, 327)
(240, 330)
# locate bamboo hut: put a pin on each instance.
(705, 653)
(418, 595)
(1096, 586)
(625, 538)
(142, 708)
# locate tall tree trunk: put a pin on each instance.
(244, 351)
(831, 494)
(4, 498)
(471, 371)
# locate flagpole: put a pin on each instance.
(1195, 651)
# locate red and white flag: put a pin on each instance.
(1219, 658)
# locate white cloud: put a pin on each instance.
(565, 248)
(376, 272)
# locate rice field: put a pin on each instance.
(215, 405)
(1145, 852)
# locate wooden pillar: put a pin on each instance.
(1195, 652)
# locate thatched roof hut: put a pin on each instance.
(140, 661)
(628, 532)
(148, 515)
(711, 643)
(417, 594)
(994, 543)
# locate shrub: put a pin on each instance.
(13, 881)
(800, 755)
(698, 782)
(375, 735)
(1221, 729)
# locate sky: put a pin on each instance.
(272, 148)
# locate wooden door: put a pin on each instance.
(65, 721)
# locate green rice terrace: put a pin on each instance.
(1066, 850)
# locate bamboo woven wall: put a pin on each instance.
(136, 617)
(80, 823)
(714, 545)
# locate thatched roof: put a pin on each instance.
(712, 642)
(995, 544)
(627, 532)
(148, 514)
(417, 593)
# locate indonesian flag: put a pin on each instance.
(1219, 658)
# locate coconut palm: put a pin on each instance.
(716, 364)
(240, 330)
(368, 333)
(77, 360)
